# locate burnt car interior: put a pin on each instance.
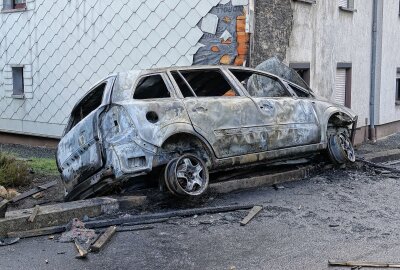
(258, 85)
(150, 87)
(203, 83)
(88, 104)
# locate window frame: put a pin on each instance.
(222, 71)
(289, 91)
(18, 93)
(305, 67)
(166, 80)
(349, 6)
(11, 6)
(397, 90)
(105, 100)
(348, 67)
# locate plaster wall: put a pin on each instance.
(388, 111)
(324, 36)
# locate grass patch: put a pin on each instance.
(13, 172)
(46, 166)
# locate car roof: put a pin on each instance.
(198, 67)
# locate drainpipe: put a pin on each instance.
(372, 135)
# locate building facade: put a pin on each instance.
(51, 53)
(332, 43)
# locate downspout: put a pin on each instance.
(372, 134)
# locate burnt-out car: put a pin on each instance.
(185, 122)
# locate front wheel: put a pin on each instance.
(186, 176)
(341, 149)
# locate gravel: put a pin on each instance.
(24, 151)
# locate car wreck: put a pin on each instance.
(182, 123)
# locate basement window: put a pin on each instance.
(18, 82)
(14, 5)
(398, 87)
(347, 5)
(303, 69)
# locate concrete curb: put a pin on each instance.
(263, 180)
(383, 156)
(62, 213)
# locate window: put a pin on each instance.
(398, 87)
(18, 81)
(14, 4)
(343, 84)
(346, 5)
(259, 85)
(203, 83)
(151, 87)
(303, 69)
(88, 104)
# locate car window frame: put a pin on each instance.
(285, 86)
(166, 80)
(311, 95)
(226, 76)
(105, 101)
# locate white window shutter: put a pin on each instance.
(343, 3)
(340, 90)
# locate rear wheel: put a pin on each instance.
(186, 176)
(340, 148)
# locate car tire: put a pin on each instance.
(187, 176)
(340, 149)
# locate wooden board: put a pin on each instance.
(365, 264)
(34, 213)
(82, 253)
(103, 239)
(3, 208)
(34, 191)
(37, 232)
(253, 212)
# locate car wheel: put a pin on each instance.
(341, 149)
(186, 176)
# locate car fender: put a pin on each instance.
(329, 112)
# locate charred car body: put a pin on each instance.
(186, 122)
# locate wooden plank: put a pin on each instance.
(82, 253)
(34, 213)
(253, 212)
(103, 239)
(364, 264)
(134, 229)
(34, 191)
(3, 208)
(37, 232)
(140, 219)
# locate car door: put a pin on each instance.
(289, 121)
(220, 112)
(79, 153)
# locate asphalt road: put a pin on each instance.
(348, 214)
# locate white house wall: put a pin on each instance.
(68, 45)
(323, 35)
(388, 111)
